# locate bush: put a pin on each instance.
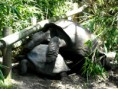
(101, 18)
(17, 13)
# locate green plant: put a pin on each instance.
(101, 18)
(1, 74)
(92, 65)
(4, 83)
(91, 69)
(5, 86)
(17, 13)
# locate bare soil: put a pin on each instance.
(32, 81)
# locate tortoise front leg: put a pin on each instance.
(23, 67)
(37, 39)
(53, 48)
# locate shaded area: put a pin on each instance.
(32, 81)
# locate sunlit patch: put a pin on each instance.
(16, 82)
(110, 55)
(60, 65)
(63, 23)
(83, 36)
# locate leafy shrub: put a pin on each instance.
(101, 18)
(91, 69)
(17, 13)
(1, 74)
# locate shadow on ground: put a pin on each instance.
(32, 81)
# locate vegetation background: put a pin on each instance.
(101, 16)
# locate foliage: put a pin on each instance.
(92, 65)
(101, 18)
(91, 69)
(5, 85)
(2, 78)
(17, 13)
(1, 74)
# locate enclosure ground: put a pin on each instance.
(32, 81)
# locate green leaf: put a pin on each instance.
(16, 11)
(105, 48)
(3, 66)
(1, 76)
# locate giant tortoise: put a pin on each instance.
(36, 60)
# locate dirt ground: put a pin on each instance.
(32, 81)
